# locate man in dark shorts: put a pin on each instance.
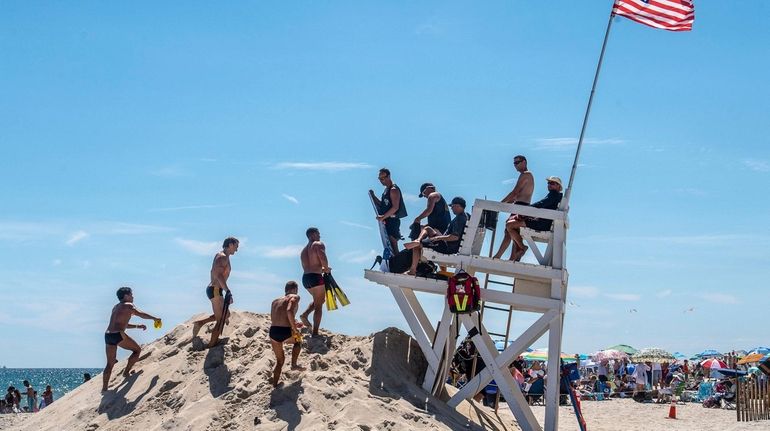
(446, 243)
(283, 329)
(436, 209)
(115, 336)
(551, 202)
(520, 195)
(217, 289)
(390, 207)
(314, 265)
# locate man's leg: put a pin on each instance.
(279, 359)
(317, 307)
(506, 239)
(198, 324)
(128, 343)
(295, 355)
(111, 361)
(217, 303)
(416, 255)
(512, 228)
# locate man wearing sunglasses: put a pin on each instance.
(550, 202)
(520, 195)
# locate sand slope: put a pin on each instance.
(358, 383)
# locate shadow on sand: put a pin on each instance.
(284, 401)
(215, 368)
(114, 402)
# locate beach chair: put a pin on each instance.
(490, 392)
(705, 390)
(535, 393)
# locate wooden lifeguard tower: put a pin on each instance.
(538, 288)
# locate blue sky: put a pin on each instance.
(137, 136)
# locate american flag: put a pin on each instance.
(673, 15)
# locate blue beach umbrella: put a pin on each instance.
(679, 357)
(729, 372)
(708, 353)
(760, 350)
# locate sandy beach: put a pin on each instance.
(351, 383)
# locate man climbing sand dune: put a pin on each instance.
(115, 335)
(314, 265)
(284, 329)
(217, 289)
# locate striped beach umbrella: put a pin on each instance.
(713, 363)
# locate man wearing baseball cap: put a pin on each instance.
(436, 209)
(448, 243)
(550, 202)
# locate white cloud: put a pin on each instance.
(199, 247)
(323, 166)
(56, 262)
(664, 293)
(77, 237)
(358, 225)
(290, 198)
(281, 251)
(410, 198)
(564, 144)
(623, 296)
(757, 165)
(584, 291)
(720, 298)
(187, 207)
(358, 256)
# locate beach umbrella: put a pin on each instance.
(610, 354)
(729, 372)
(761, 350)
(679, 357)
(753, 357)
(542, 355)
(754, 370)
(623, 348)
(652, 354)
(708, 353)
(713, 363)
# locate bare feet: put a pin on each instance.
(298, 368)
(196, 328)
(411, 272)
(520, 253)
(308, 325)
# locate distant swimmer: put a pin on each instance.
(283, 329)
(217, 289)
(390, 207)
(115, 336)
(520, 195)
(314, 266)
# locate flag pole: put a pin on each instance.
(568, 192)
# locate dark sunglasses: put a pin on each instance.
(516, 162)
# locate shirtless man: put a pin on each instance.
(520, 195)
(283, 328)
(115, 336)
(314, 265)
(217, 288)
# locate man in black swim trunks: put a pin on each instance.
(550, 202)
(314, 265)
(115, 336)
(390, 207)
(217, 288)
(520, 195)
(283, 329)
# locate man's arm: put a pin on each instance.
(395, 198)
(320, 251)
(219, 271)
(139, 313)
(291, 312)
(552, 200)
(432, 199)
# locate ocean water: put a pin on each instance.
(62, 380)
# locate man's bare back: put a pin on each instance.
(280, 307)
(311, 260)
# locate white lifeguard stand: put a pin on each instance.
(538, 288)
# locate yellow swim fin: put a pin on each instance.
(331, 303)
(338, 292)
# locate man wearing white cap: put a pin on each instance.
(551, 202)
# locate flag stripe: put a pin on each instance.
(673, 15)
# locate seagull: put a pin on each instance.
(573, 304)
(633, 310)
(689, 310)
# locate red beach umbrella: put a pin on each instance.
(713, 363)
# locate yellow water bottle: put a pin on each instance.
(158, 323)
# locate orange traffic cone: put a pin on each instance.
(672, 410)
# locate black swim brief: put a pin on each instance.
(311, 279)
(538, 224)
(280, 333)
(113, 338)
(212, 291)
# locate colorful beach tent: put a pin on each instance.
(623, 348)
